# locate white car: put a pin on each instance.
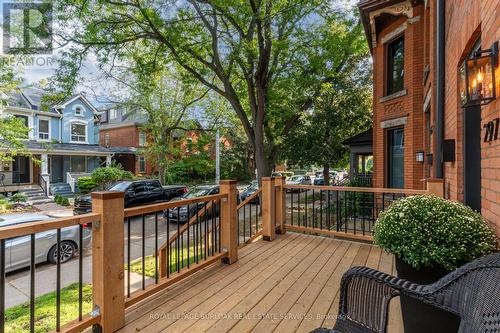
(298, 180)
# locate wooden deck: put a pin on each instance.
(288, 285)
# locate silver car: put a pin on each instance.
(17, 250)
(298, 180)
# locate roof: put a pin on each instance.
(75, 148)
(363, 138)
(75, 97)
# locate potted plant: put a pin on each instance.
(431, 236)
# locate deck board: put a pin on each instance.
(288, 285)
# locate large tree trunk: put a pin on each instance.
(326, 174)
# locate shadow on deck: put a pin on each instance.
(288, 285)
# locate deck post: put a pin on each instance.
(108, 281)
(436, 186)
(268, 209)
(279, 182)
(229, 220)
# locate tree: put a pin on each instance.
(267, 58)
(13, 131)
(165, 101)
(339, 112)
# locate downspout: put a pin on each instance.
(440, 71)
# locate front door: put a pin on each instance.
(472, 157)
(395, 158)
(21, 170)
(56, 169)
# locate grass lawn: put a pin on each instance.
(149, 267)
(17, 318)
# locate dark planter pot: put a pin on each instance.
(419, 317)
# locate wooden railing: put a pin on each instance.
(348, 212)
(208, 234)
(41, 231)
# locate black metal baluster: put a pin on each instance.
(321, 209)
(298, 208)
(328, 211)
(178, 240)
(156, 247)
(355, 208)
(168, 243)
(143, 251)
(80, 273)
(291, 208)
(2, 285)
(206, 227)
(187, 241)
(313, 215)
(244, 223)
(337, 206)
(58, 282)
(32, 283)
(219, 208)
(306, 218)
(213, 228)
(128, 257)
(198, 244)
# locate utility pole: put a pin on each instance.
(217, 157)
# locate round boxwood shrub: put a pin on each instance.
(428, 231)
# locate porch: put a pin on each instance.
(288, 285)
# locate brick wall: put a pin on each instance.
(120, 137)
(466, 21)
(409, 105)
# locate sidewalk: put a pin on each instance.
(55, 210)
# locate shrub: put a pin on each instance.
(287, 173)
(427, 231)
(64, 202)
(19, 197)
(86, 184)
(58, 198)
(106, 176)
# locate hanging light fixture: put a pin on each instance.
(477, 77)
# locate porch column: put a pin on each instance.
(108, 160)
(45, 164)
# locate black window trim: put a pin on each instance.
(387, 91)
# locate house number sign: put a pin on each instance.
(491, 130)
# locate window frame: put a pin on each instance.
(71, 132)
(142, 168)
(113, 112)
(81, 112)
(389, 155)
(48, 136)
(142, 137)
(390, 89)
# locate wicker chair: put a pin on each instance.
(472, 292)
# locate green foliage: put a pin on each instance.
(104, 177)
(58, 199)
(5, 205)
(19, 197)
(287, 173)
(86, 184)
(197, 164)
(17, 318)
(427, 231)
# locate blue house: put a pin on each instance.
(64, 138)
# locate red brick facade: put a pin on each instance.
(466, 22)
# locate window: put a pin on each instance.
(113, 114)
(395, 66)
(395, 158)
(77, 163)
(142, 139)
(142, 164)
(43, 129)
(78, 132)
(106, 140)
(78, 111)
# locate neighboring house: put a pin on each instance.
(121, 128)
(64, 139)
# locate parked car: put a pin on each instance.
(298, 180)
(137, 192)
(182, 215)
(18, 250)
(249, 190)
(320, 180)
(276, 174)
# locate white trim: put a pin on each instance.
(394, 122)
(79, 122)
(82, 110)
(38, 127)
(63, 105)
(11, 109)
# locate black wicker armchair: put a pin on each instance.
(472, 292)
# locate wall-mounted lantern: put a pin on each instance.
(419, 156)
(477, 77)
